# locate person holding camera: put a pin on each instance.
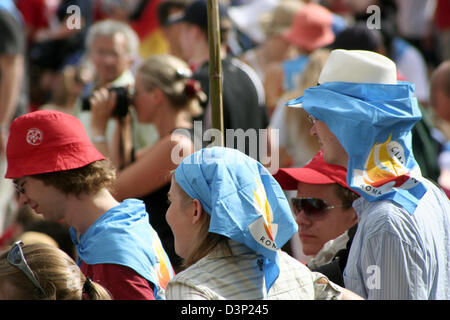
(167, 96)
(112, 47)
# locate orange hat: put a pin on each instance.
(311, 28)
(48, 141)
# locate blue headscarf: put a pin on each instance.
(373, 123)
(124, 236)
(245, 202)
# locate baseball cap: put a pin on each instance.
(48, 141)
(317, 171)
(197, 13)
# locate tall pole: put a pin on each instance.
(215, 69)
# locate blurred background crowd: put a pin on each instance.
(49, 59)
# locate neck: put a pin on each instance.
(169, 119)
(86, 209)
(201, 55)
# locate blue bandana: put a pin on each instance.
(373, 123)
(124, 236)
(245, 202)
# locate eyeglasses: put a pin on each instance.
(19, 185)
(311, 119)
(17, 259)
(313, 207)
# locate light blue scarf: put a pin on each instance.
(124, 236)
(245, 202)
(373, 123)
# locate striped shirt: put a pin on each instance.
(395, 255)
(219, 276)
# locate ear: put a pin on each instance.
(158, 95)
(197, 211)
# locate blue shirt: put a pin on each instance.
(397, 255)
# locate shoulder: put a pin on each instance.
(193, 283)
(121, 281)
(296, 281)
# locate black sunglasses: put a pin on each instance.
(313, 206)
(17, 259)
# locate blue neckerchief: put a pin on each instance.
(124, 236)
(373, 123)
(245, 202)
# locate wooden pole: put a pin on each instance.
(215, 69)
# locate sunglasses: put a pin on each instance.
(19, 185)
(311, 119)
(313, 207)
(17, 259)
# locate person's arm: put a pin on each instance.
(151, 170)
(393, 269)
(178, 290)
(11, 71)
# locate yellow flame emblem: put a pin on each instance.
(383, 167)
(264, 208)
(163, 270)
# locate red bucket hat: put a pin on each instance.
(48, 141)
(317, 171)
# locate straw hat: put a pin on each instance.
(358, 66)
(355, 66)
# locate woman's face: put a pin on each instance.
(315, 230)
(143, 101)
(179, 218)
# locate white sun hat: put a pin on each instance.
(355, 66)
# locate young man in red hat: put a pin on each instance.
(59, 174)
(324, 213)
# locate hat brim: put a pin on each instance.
(288, 178)
(295, 103)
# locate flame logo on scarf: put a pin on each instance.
(263, 207)
(163, 271)
(385, 164)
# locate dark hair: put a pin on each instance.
(347, 196)
(164, 8)
(88, 179)
(358, 37)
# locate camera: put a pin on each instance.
(123, 100)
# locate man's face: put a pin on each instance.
(188, 34)
(334, 152)
(42, 198)
(317, 228)
(110, 56)
(441, 103)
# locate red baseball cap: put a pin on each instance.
(48, 141)
(317, 171)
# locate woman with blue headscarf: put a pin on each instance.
(230, 218)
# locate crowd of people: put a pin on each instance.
(331, 182)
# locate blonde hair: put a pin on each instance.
(174, 77)
(309, 78)
(55, 271)
(207, 241)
